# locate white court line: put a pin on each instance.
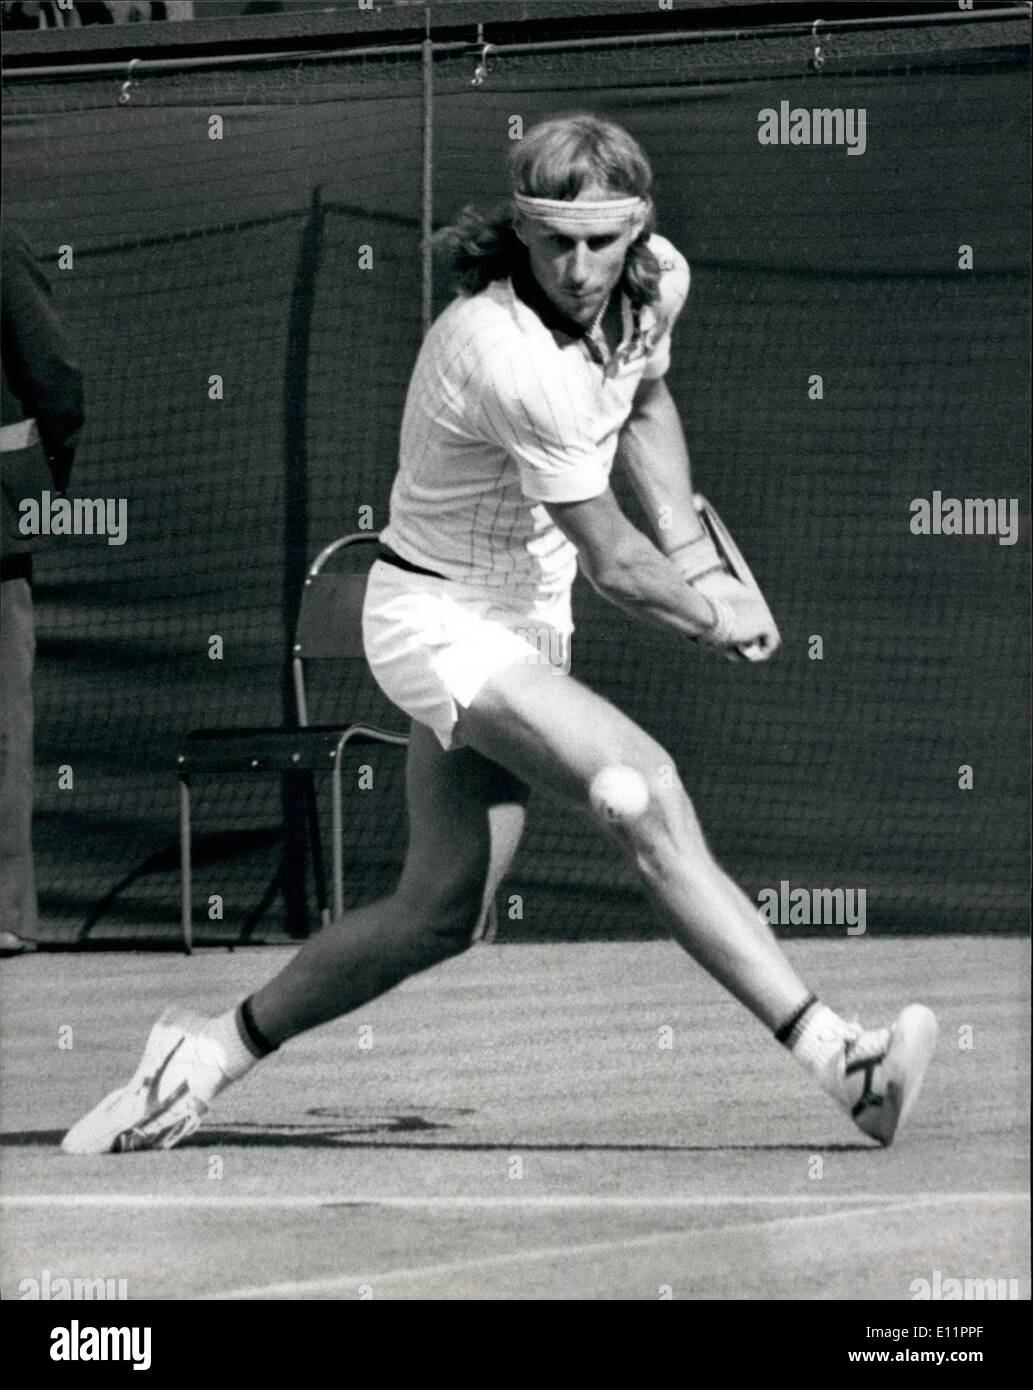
(331, 1283)
(172, 1201)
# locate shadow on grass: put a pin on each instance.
(408, 1131)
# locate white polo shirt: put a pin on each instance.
(503, 415)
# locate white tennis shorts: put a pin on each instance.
(432, 644)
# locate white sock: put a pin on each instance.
(236, 1058)
(816, 1041)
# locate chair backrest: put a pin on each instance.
(330, 614)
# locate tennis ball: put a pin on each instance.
(618, 794)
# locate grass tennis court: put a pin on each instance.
(389, 1171)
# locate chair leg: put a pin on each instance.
(338, 840)
(186, 878)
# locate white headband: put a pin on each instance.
(580, 215)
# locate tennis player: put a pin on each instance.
(548, 365)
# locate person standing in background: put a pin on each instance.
(41, 415)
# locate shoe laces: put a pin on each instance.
(866, 1046)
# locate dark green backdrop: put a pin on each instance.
(240, 257)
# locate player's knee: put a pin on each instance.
(638, 799)
(443, 917)
(453, 931)
(647, 809)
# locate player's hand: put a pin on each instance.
(746, 630)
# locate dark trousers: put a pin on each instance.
(17, 655)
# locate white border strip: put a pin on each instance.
(171, 1201)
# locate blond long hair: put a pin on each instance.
(556, 159)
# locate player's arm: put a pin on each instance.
(655, 457)
(531, 415)
(627, 569)
(652, 443)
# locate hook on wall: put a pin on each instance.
(485, 60)
(124, 95)
(485, 65)
(817, 60)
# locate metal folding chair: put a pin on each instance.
(328, 628)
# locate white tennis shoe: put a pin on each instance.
(879, 1072)
(169, 1095)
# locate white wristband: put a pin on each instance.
(696, 558)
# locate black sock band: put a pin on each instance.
(784, 1033)
(251, 1035)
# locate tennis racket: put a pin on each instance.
(734, 563)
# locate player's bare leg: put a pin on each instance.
(557, 735)
(466, 816)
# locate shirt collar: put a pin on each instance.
(529, 292)
(529, 295)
